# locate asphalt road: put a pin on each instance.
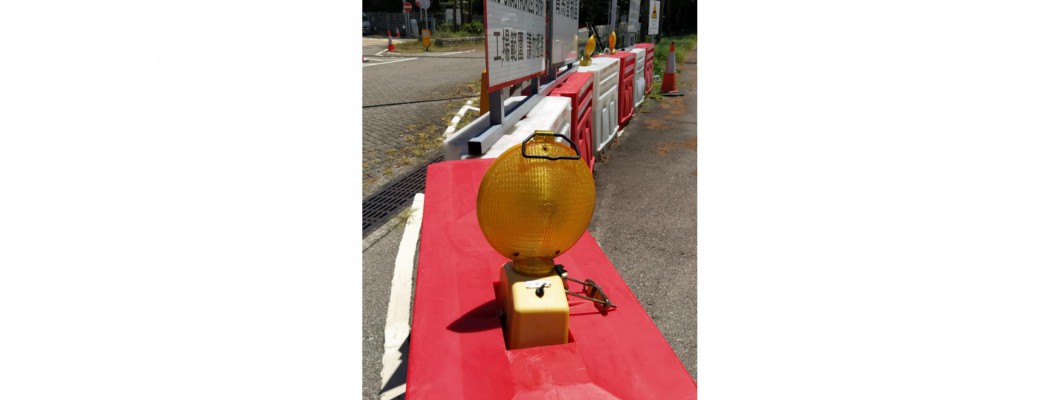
(646, 212)
(645, 221)
(378, 261)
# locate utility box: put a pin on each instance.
(579, 89)
(638, 77)
(605, 100)
(649, 65)
(625, 85)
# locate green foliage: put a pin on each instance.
(474, 28)
(440, 34)
(682, 45)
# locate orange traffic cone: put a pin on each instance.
(389, 41)
(669, 83)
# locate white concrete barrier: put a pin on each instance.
(454, 147)
(638, 77)
(605, 99)
(551, 114)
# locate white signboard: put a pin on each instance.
(633, 22)
(564, 31)
(515, 41)
(653, 18)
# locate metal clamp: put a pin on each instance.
(577, 154)
(591, 290)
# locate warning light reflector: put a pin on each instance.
(535, 201)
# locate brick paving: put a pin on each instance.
(386, 126)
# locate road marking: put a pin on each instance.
(455, 52)
(381, 52)
(456, 118)
(375, 61)
(394, 393)
(397, 313)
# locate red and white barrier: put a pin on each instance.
(625, 85)
(649, 65)
(638, 77)
(579, 88)
(605, 100)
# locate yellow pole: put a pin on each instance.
(484, 97)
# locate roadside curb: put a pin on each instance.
(379, 232)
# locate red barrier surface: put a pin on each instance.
(649, 65)
(625, 85)
(579, 88)
(457, 346)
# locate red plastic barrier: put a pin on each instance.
(457, 347)
(649, 65)
(579, 88)
(625, 85)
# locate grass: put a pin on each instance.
(682, 45)
(422, 139)
(656, 91)
(457, 34)
(471, 89)
(404, 216)
(418, 140)
(417, 47)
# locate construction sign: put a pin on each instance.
(653, 18)
(515, 41)
(633, 20)
(564, 28)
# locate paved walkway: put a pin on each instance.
(646, 211)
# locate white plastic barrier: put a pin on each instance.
(455, 147)
(605, 99)
(551, 114)
(638, 77)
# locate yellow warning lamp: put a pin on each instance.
(426, 34)
(590, 47)
(534, 203)
(611, 42)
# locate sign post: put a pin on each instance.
(424, 5)
(633, 21)
(563, 35)
(653, 18)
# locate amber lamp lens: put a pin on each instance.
(533, 209)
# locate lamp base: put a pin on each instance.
(535, 308)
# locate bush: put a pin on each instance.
(474, 28)
(446, 27)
